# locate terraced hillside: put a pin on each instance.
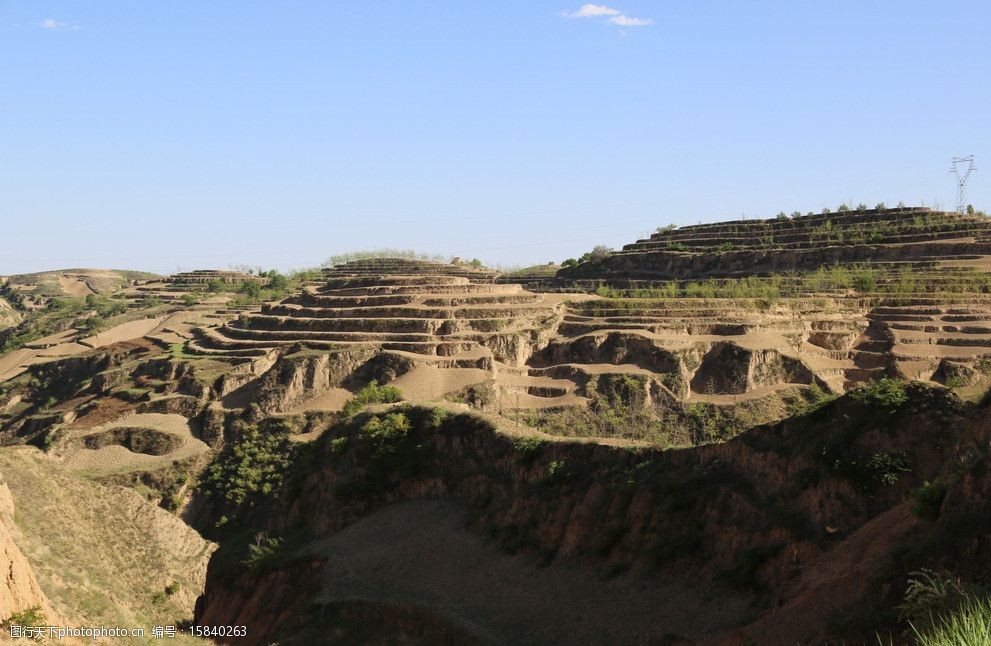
(913, 236)
(763, 344)
(440, 327)
(415, 307)
(838, 342)
(840, 298)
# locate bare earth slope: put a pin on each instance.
(421, 553)
(102, 554)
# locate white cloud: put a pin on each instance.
(627, 21)
(613, 16)
(592, 11)
(51, 23)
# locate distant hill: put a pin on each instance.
(73, 282)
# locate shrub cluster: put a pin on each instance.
(253, 469)
(385, 433)
(372, 394)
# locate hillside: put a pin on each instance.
(889, 238)
(73, 282)
(744, 432)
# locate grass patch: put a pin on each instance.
(968, 625)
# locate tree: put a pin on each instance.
(251, 289)
(570, 262)
(597, 254)
(277, 281)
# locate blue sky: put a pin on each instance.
(202, 134)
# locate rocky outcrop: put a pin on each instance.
(613, 348)
(297, 375)
(729, 368)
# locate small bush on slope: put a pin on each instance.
(264, 551)
(28, 617)
(886, 394)
(372, 394)
(386, 433)
(928, 499)
(929, 593)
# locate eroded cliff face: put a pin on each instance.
(9, 317)
(292, 377)
(19, 589)
(751, 515)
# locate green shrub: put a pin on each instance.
(556, 470)
(262, 553)
(886, 467)
(928, 498)
(526, 448)
(817, 398)
(404, 254)
(254, 468)
(598, 254)
(372, 394)
(250, 288)
(886, 394)
(708, 423)
(277, 282)
(384, 434)
(32, 616)
(338, 444)
(435, 418)
(929, 592)
(865, 281)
